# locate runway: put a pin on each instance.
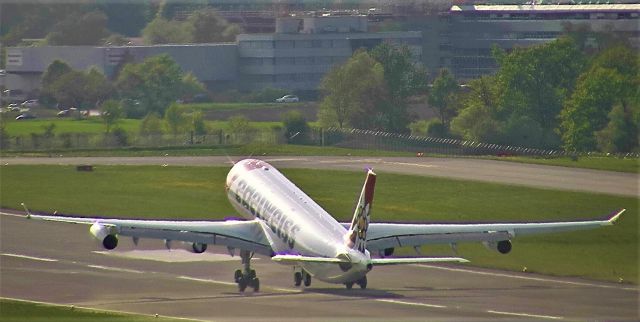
(59, 263)
(542, 176)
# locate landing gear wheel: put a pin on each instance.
(363, 282)
(242, 284)
(256, 285)
(297, 278)
(247, 276)
(349, 285)
(307, 279)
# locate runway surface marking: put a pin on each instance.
(412, 303)
(116, 269)
(530, 278)
(169, 256)
(205, 280)
(550, 317)
(411, 164)
(95, 309)
(42, 259)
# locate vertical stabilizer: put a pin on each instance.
(357, 234)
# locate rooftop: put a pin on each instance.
(548, 8)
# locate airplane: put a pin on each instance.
(285, 224)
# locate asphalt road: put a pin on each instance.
(60, 263)
(564, 178)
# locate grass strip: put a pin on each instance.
(609, 253)
(16, 310)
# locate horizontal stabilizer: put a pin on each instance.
(415, 260)
(294, 259)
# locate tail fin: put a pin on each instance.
(357, 235)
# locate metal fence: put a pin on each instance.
(348, 138)
(378, 140)
(80, 141)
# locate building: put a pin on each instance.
(304, 49)
(295, 57)
(468, 32)
(213, 64)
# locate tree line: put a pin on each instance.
(110, 23)
(555, 95)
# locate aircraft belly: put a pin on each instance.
(331, 273)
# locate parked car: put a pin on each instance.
(30, 103)
(25, 116)
(63, 113)
(14, 107)
(288, 99)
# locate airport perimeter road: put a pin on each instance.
(543, 176)
(59, 263)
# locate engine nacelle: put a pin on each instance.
(103, 234)
(198, 248)
(502, 247)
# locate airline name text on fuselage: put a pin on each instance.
(260, 207)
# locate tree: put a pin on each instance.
(443, 95)
(175, 118)
(191, 86)
(126, 17)
(350, 92)
(621, 133)
(535, 82)
(163, 31)
(198, 125)
(241, 129)
(111, 114)
(69, 89)
(296, 129)
(79, 29)
(478, 117)
(612, 79)
(403, 79)
(150, 86)
(151, 125)
(586, 111)
(97, 88)
(54, 71)
(206, 26)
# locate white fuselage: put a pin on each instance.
(292, 221)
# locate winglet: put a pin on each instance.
(616, 215)
(26, 210)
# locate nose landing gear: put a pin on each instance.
(246, 277)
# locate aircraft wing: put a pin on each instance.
(247, 235)
(389, 235)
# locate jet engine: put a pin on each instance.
(502, 247)
(103, 234)
(197, 248)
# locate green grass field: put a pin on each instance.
(94, 125)
(239, 106)
(197, 193)
(631, 165)
(11, 310)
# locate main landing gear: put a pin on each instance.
(246, 277)
(362, 282)
(300, 276)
